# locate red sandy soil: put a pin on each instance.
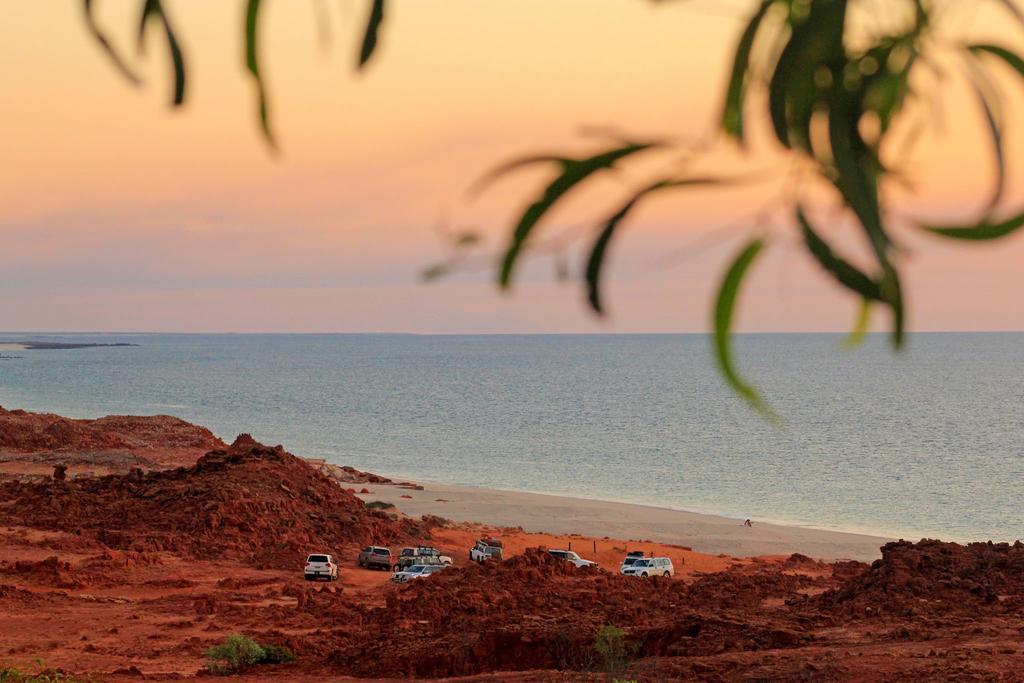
(32, 443)
(149, 569)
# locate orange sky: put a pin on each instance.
(118, 214)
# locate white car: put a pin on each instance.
(650, 566)
(570, 556)
(416, 571)
(630, 559)
(486, 549)
(321, 566)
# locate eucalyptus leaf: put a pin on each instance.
(573, 172)
(981, 231)
(252, 64)
(595, 261)
(842, 271)
(152, 9)
(108, 48)
(732, 115)
(725, 305)
(366, 51)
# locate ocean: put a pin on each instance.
(927, 442)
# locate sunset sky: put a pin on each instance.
(118, 214)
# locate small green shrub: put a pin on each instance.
(236, 653)
(380, 505)
(276, 654)
(611, 645)
(239, 652)
(12, 674)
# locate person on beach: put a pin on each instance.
(748, 523)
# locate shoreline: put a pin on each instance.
(875, 533)
(559, 514)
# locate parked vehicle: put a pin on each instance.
(650, 566)
(630, 558)
(420, 555)
(417, 571)
(570, 556)
(486, 549)
(375, 556)
(321, 566)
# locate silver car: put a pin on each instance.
(416, 571)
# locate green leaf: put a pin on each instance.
(815, 42)
(609, 226)
(1011, 58)
(732, 115)
(487, 179)
(372, 27)
(724, 309)
(574, 171)
(844, 273)
(252, 14)
(153, 9)
(860, 326)
(104, 42)
(984, 230)
(857, 181)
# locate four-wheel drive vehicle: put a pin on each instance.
(417, 571)
(486, 549)
(421, 555)
(570, 556)
(375, 556)
(321, 566)
(631, 557)
(650, 566)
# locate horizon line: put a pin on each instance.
(486, 334)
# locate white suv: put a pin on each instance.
(321, 567)
(570, 556)
(650, 566)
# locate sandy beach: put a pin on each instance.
(703, 533)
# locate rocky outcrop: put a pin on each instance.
(151, 441)
(248, 502)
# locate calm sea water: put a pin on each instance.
(926, 442)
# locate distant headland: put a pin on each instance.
(43, 345)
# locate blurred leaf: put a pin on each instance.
(574, 171)
(841, 270)
(370, 37)
(732, 116)
(984, 230)
(252, 15)
(487, 179)
(815, 42)
(104, 42)
(860, 325)
(995, 131)
(1011, 58)
(724, 308)
(857, 181)
(597, 252)
(153, 9)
